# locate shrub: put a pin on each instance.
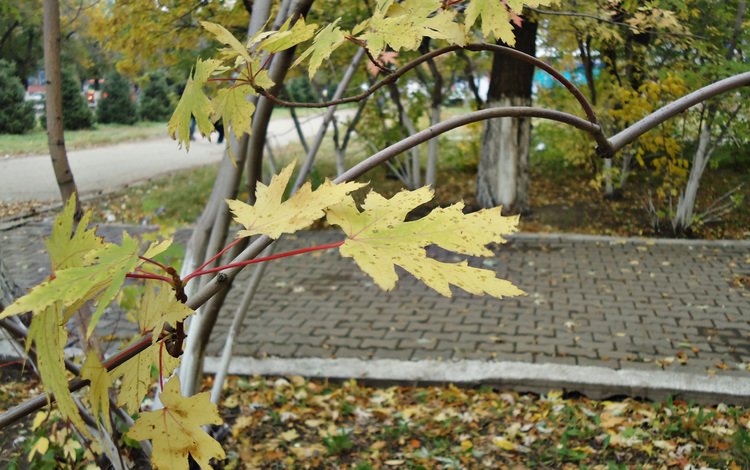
(156, 102)
(16, 115)
(116, 105)
(76, 113)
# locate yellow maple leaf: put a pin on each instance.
(67, 249)
(194, 102)
(496, 16)
(175, 430)
(326, 41)
(157, 306)
(100, 383)
(270, 216)
(404, 25)
(287, 37)
(379, 240)
(48, 333)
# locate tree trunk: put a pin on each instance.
(683, 217)
(55, 133)
(502, 178)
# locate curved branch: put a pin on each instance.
(674, 108)
(585, 105)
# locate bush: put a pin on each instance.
(16, 115)
(116, 105)
(156, 103)
(76, 113)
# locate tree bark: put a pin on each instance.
(55, 132)
(502, 177)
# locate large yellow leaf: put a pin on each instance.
(49, 336)
(379, 240)
(326, 41)
(100, 383)
(175, 430)
(99, 278)
(270, 216)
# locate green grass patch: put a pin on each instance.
(35, 142)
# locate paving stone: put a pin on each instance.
(587, 282)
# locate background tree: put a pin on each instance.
(65, 105)
(156, 102)
(76, 112)
(116, 104)
(502, 177)
(16, 115)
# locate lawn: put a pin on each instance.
(35, 142)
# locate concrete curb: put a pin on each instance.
(594, 382)
(612, 240)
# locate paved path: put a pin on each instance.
(104, 169)
(620, 304)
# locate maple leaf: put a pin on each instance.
(100, 383)
(66, 249)
(404, 25)
(194, 102)
(286, 37)
(326, 41)
(379, 239)
(270, 216)
(497, 16)
(236, 49)
(136, 375)
(175, 430)
(158, 306)
(100, 278)
(47, 332)
(232, 105)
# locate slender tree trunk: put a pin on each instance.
(683, 217)
(436, 104)
(413, 168)
(502, 177)
(55, 132)
(298, 128)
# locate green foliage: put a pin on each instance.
(116, 105)
(16, 116)
(299, 89)
(76, 113)
(156, 102)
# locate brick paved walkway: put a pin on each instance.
(616, 303)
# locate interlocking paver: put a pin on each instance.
(612, 303)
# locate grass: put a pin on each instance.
(35, 142)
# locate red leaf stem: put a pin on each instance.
(266, 258)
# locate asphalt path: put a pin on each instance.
(108, 168)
